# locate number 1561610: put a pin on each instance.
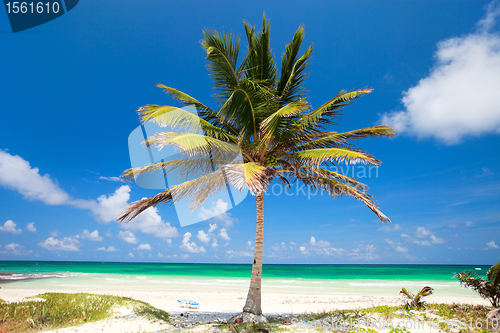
(16, 7)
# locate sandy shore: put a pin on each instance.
(220, 305)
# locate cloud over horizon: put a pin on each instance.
(18, 175)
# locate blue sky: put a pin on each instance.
(70, 88)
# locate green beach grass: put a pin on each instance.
(437, 317)
(58, 310)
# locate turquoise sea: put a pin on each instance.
(311, 279)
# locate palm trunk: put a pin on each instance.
(253, 303)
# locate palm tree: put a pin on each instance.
(264, 114)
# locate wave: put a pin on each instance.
(5, 277)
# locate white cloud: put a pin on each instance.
(460, 96)
(241, 254)
(469, 224)
(363, 252)
(212, 227)
(16, 249)
(108, 208)
(490, 19)
(405, 236)
(322, 243)
(331, 251)
(10, 226)
(17, 174)
(423, 243)
(131, 255)
(436, 240)
(223, 234)
(214, 243)
(54, 233)
(388, 228)
(65, 244)
(422, 232)
(109, 249)
(30, 227)
(203, 237)
(190, 246)
(127, 236)
(218, 212)
(150, 222)
(401, 249)
(321, 247)
(93, 236)
(367, 247)
(145, 247)
(491, 246)
(113, 179)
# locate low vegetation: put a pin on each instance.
(56, 310)
(461, 318)
(489, 288)
(416, 301)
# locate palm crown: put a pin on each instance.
(263, 115)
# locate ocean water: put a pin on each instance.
(354, 280)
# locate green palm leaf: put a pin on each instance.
(332, 139)
(182, 119)
(335, 155)
(183, 168)
(325, 112)
(194, 144)
(222, 52)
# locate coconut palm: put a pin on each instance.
(263, 114)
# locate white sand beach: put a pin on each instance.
(219, 306)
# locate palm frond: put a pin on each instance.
(325, 112)
(139, 206)
(333, 139)
(222, 52)
(251, 175)
(240, 108)
(338, 155)
(293, 168)
(260, 61)
(199, 189)
(204, 112)
(269, 127)
(181, 119)
(193, 144)
(182, 168)
(289, 85)
(337, 188)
